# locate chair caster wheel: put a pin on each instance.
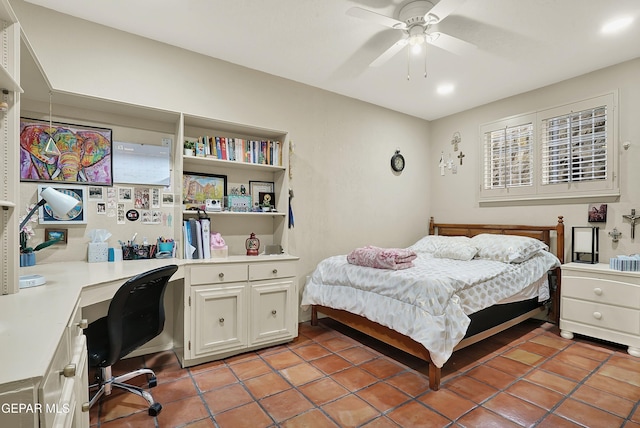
(153, 382)
(154, 409)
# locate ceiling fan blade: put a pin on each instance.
(389, 53)
(441, 10)
(450, 43)
(367, 15)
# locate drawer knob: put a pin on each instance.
(275, 271)
(221, 320)
(221, 275)
(598, 291)
(83, 323)
(69, 370)
(597, 315)
(273, 312)
(85, 407)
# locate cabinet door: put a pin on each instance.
(273, 311)
(218, 317)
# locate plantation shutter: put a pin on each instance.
(508, 157)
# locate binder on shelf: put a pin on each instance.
(206, 237)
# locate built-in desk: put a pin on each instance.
(40, 327)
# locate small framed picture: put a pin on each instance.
(197, 187)
(257, 187)
(60, 234)
(77, 215)
(597, 213)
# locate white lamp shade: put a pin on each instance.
(59, 202)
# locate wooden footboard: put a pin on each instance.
(405, 343)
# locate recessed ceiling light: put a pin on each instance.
(616, 25)
(445, 89)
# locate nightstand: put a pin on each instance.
(600, 302)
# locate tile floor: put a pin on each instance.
(526, 376)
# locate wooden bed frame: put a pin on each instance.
(406, 344)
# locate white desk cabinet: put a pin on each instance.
(237, 305)
(600, 302)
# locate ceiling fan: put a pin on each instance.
(415, 21)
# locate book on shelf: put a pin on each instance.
(263, 152)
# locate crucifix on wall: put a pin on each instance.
(460, 156)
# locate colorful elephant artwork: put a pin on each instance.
(81, 155)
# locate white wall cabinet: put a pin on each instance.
(242, 304)
(600, 302)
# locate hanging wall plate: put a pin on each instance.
(397, 162)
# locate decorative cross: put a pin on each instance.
(460, 156)
(632, 218)
(455, 141)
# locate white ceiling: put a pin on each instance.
(522, 44)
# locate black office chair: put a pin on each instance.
(136, 315)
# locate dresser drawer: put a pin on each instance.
(271, 270)
(604, 316)
(602, 291)
(217, 274)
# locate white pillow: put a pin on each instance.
(449, 247)
(506, 248)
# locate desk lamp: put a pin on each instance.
(60, 203)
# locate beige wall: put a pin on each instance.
(454, 197)
(346, 194)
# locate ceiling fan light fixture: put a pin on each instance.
(430, 19)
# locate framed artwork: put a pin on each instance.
(60, 234)
(257, 187)
(78, 215)
(197, 187)
(65, 153)
(597, 213)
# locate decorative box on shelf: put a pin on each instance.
(625, 263)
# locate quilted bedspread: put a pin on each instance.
(428, 302)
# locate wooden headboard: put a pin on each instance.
(542, 233)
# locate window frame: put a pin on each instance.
(608, 187)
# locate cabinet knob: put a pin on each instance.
(275, 271)
(598, 291)
(221, 320)
(85, 407)
(221, 275)
(83, 323)
(69, 370)
(273, 312)
(597, 315)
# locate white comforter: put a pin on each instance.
(428, 302)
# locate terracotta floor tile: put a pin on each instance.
(357, 355)
(471, 389)
(241, 358)
(248, 416)
(553, 421)
(350, 411)
(565, 370)
(285, 405)
(282, 360)
(525, 357)
(636, 415)
(605, 401)
(586, 415)
(614, 386)
(625, 361)
(136, 420)
(516, 410)
(551, 381)
(414, 414)
(630, 424)
(202, 423)
(116, 406)
(172, 391)
(313, 418)
(265, 385)
(383, 396)
(301, 373)
(381, 422)
(227, 397)
(311, 352)
(336, 344)
(169, 373)
(447, 403)
(538, 348)
(494, 377)
(552, 341)
(207, 366)
(354, 378)
(331, 364)
(588, 350)
(536, 394)
(382, 368)
(160, 359)
(412, 383)
(569, 357)
(181, 412)
(508, 365)
(481, 417)
(323, 390)
(247, 369)
(212, 379)
(621, 374)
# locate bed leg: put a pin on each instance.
(434, 377)
(314, 316)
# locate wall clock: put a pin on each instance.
(397, 162)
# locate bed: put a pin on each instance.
(434, 308)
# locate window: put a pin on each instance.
(563, 152)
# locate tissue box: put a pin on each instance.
(98, 252)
